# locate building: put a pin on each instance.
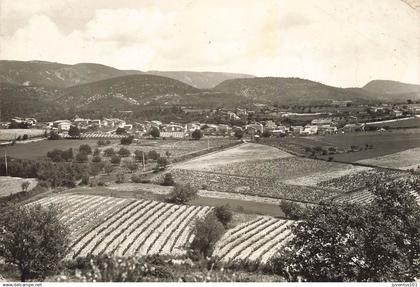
(322, 121)
(255, 127)
(327, 130)
(310, 130)
(350, 128)
(297, 130)
(23, 121)
(62, 125)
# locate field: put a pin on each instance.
(255, 169)
(176, 148)
(257, 240)
(383, 143)
(36, 150)
(125, 227)
(366, 197)
(11, 134)
(10, 185)
(408, 159)
(413, 122)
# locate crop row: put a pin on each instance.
(253, 240)
(122, 227)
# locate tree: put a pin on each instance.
(108, 168)
(123, 152)
(140, 155)
(127, 140)
(55, 155)
(153, 155)
(25, 186)
(96, 158)
(131, 165)
(67, 155)
(155, 132)
(197, 134)
(352, 242)
(33, 239)
(82, 157)
(182, 193)
(292, 210)
(109, 152)
(266, 133)
(239, 134)
(74, 132)
(120, 131)
(54, 136)
(96, 152)
(224, 214)
(162, 163)
(207, 231)
(115, 159)
(85, 148)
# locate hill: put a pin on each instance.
(127, 92)
(28, 101)
(59, 75)
(289, 91)
(201, 80)
(393, 90)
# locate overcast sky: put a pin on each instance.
(337, 42)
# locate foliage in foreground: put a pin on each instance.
(182, 193)
(33, 240)
(378, 242)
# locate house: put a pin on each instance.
(270, 125)
(350, 128)
(172, 128)
(224, 129)
(397, 113)
(23, 121)
(255, 127)
(297, 130)
(310, 130)
(190, 127)
(327, 129)
(62, 125)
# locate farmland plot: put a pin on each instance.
(11, 134)
(408, 159)
(366, 197)
(10, 185)
(256, 241)
(125, 227)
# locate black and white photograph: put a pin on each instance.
(220, 141)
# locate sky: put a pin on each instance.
(341, 43)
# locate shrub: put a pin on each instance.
(115, 159)
(136, 178)
(96, 158)
(168, 180)
(74, 132)
(109, 152)
(127, 140)
(25, 186)
(55, 155)
(96, 152)
(123, 152)
(120, 178)
(120, 131)
(85, 148)
(82, 157)
(67, 155)
(182, 193)
(54, 136)
(101, 143)
(162, 163)
(154, 155)
(239, 134)
(155, 132)
(25, 137)
(292, 210)
(224, 214)
(266, 134)
(131, 165)
(108, 168)
(197, 134)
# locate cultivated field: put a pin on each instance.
(366, 197)
(10, 185)
(256, 241)
(408, 159)
(125, 227)
(11, 134)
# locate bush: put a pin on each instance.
(162, 163)
(120, 131)
(207, 231)
(153, 155)
(136, 178)
(182, 193)
(67, 155)
(127, 140)
(54, 136)
(74, 132)
(155, 132)
(85, 148)
(224, 214)
(292, 210)
(96, 158)
(239, 133)
(55, 155)
(25, 137)
(197, 134)
(96, 152)
(25, 186)
(123, 152)
(120, 178)
(168, 180)
(82, 157)
(115, 159)
(108, 168)
(109, 152)
(101, 143)
(131, 165)
(266, 134)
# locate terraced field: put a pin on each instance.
(257, 240)
(125, 227)
(10, 185)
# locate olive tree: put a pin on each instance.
(33, 239)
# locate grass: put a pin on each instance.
(10, 185)
(11, 134)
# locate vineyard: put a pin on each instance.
(366, 197)
(256, 241)
(408, 159)
(125, 227)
